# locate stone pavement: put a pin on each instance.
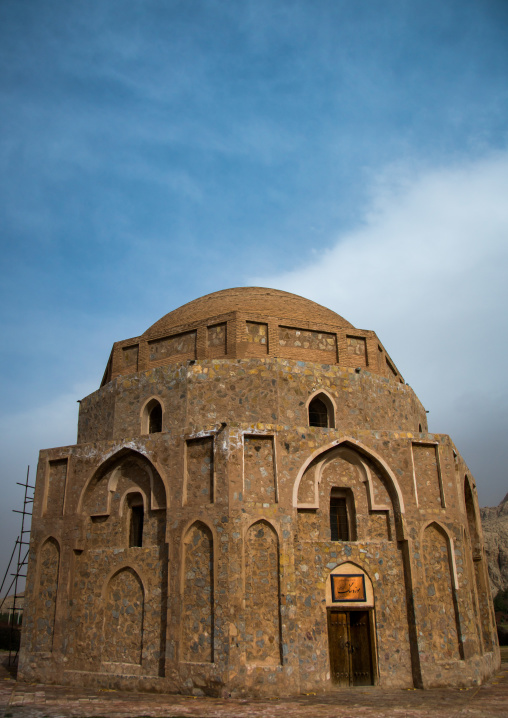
(20, 700)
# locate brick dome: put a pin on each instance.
(258, 300)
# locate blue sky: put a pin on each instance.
(355, 153)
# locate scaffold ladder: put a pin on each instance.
(20, 558)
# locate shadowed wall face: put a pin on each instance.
(441, 627)
(48, 587)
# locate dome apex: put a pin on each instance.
(261, 301)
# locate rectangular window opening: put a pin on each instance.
(339, 520)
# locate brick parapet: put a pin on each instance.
(305, 317)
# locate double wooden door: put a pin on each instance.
(350, 647)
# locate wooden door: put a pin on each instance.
(360, 648)
(339, 642)
(350, 648)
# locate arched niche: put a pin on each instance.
(124, 599)
(109, 505)
(97, 497)
(443, 637)
(444, 531)
(47, 590)
(262, 594)
(197, 595)
(381, 495)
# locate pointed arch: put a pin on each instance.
(117, 456)
(357, 450)
(124, 565)
(329, 407)
(274, 526)
(350, 567)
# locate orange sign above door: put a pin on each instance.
(348, 587)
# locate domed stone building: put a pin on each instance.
(255, 506)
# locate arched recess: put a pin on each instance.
(442, 634)
(106, 477)
(105, 495)
(124, 599)
(197, 595)
(152, 416)
(481, 600)
(383, 492)
(321, 410)
(47, 590)
(262, 595)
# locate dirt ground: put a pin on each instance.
(21, 700)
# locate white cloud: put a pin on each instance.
(426, 269)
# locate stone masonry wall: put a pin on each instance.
(226, 589)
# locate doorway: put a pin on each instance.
(350, 642)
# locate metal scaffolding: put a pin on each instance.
(19, 560)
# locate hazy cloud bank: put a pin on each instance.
(426, 269)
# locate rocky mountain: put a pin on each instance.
(495, 534)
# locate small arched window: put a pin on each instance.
(321, 412)
(136, 519)
(151, 417)
(155, 420)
